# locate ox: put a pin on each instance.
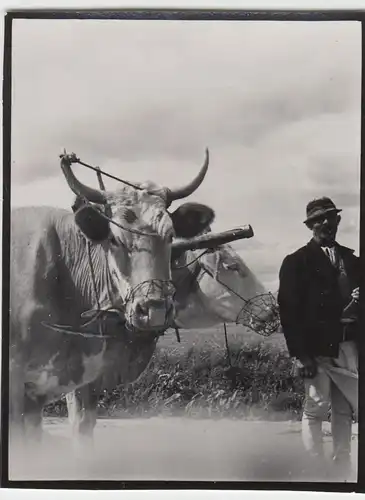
(217, 286)
(64, 265)
(212, 287)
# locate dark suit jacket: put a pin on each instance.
(310, 301)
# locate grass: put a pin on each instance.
(194, 378)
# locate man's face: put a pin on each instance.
(325, 228)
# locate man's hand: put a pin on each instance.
(306, 367)
(350, 313)
(355, 294)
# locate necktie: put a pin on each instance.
(335, 260)
(330, 255)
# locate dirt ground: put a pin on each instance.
(175, 449)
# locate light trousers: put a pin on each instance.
(335, 386)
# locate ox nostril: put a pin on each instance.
(154, 313)
(142, 309)
(157, 304)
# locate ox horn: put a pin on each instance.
(178, 193)
(80, 189)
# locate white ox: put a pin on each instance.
(63, 265)
(222, 288)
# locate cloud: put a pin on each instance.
(277, 103)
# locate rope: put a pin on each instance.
(178, 335)
(98, 312)
(227, 346)
(134, 231)
(192, 262)
(240, 297)
(93, 278)
(74, 159)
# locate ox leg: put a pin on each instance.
(82, 414)
(16, 404)
(33, 413)
(17, 444)
(25, 432)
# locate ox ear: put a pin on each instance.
(191, 219)
(92, 224)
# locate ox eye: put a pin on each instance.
(113, 241)
(231, 267)
(129, 216)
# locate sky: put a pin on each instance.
(276, 103)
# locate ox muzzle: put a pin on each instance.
(150, 306)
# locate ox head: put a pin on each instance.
(136, 230)
(217, 286)
(229, 287)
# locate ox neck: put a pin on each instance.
(79, 255)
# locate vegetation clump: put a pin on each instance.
(201, 380)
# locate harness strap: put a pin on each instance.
(223, 284)
(193, 261)
(93, 274)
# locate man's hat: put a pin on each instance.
(320, 206)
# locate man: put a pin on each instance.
(318, 295)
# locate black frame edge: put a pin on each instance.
(199, 14)
(4, 438)
(361, 424)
